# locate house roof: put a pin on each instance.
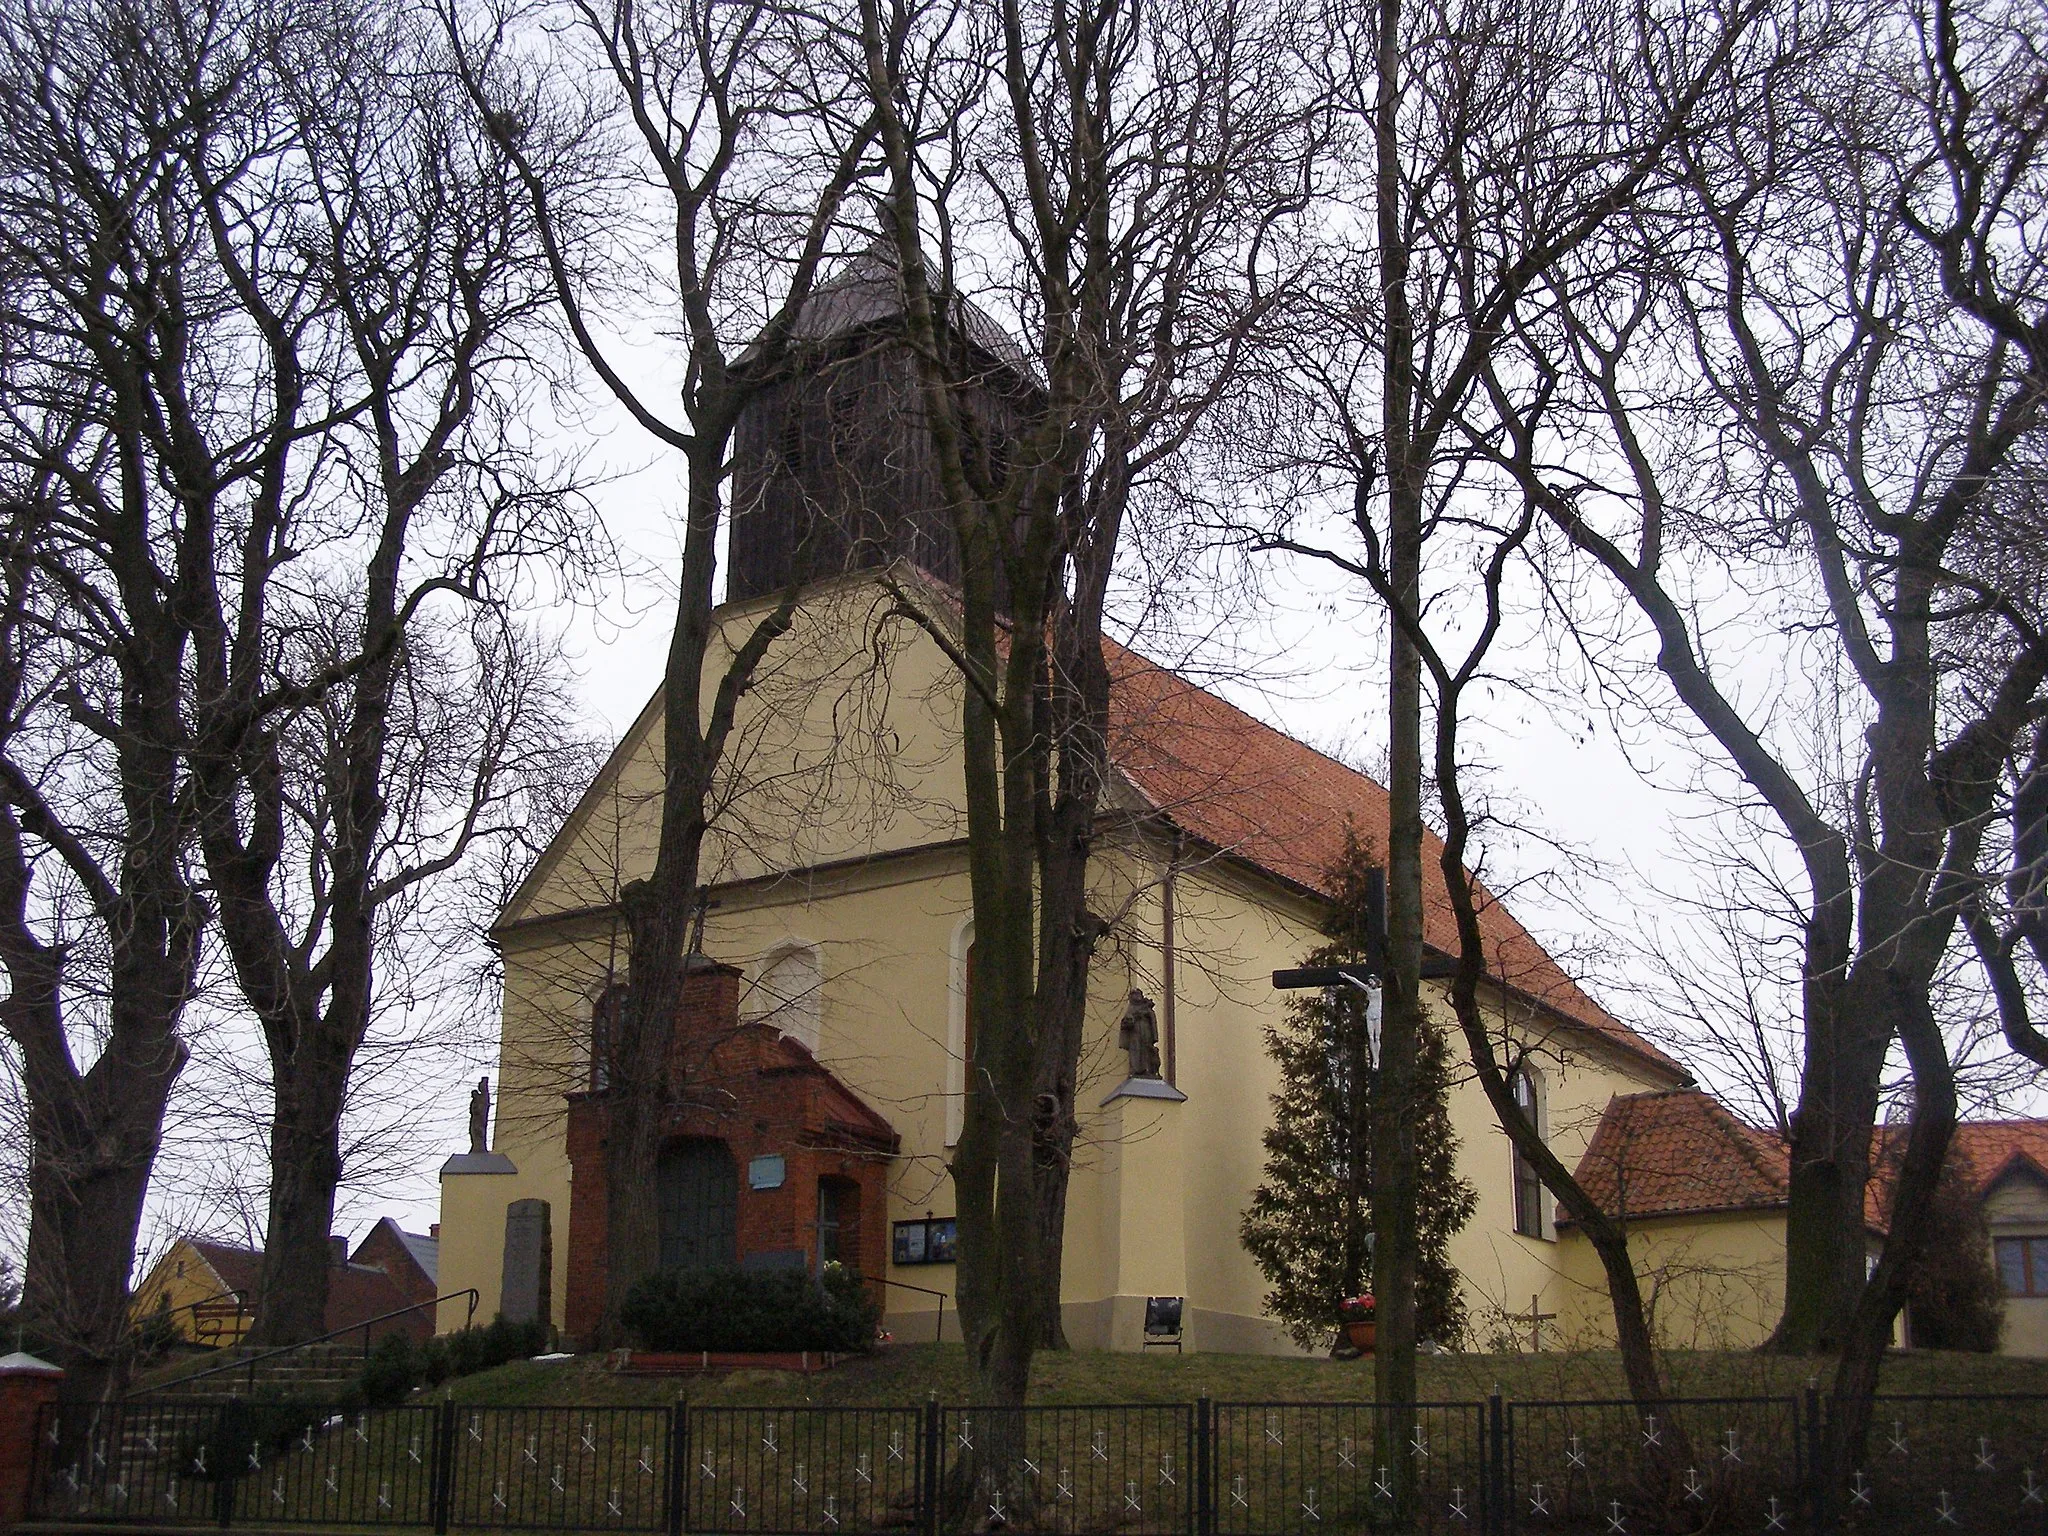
(1680, 1152)
(1994, 1148)
(355, 1292)
(422, 1249)
(1251, 791)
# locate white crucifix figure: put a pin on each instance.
(1731, 1448)
(1237, 1492)
(256, 1456)
(1166, 1470)
(797, 1480)
(332, 1485)
(1419, 1445)
(1345, 1457)
(768, 1438)
(1457, 1503)
(148, 1439)
(71, 1477)
(1859, 1490)
(99, 1452)
(1098, 1445)
(413, 1451)
(996, 1511)
(277, 1490)
(476, 1428)
(1652, 1435)
(120, 1493)
(863, 1469)
(498, 1494)
(831, 1513)
(895, 1445)
(1944, 1510)
(363, 1428)
(555, 1482)
(1694, 1488)
(590, 1437)
(1898, 1438)
(613, 1506)
(646, 1462)
(56, 1439)
(2030, 1491)
(1382, 1486)
(383, 1495)
(1984, 1457)
(199, 1462)
(532, 1446)
(738, 1504)
(171, 1497)
(1575, 1457)
(1776, 1521)
(1032, 1467)
(1538, 1505)
(1614, 1520)
(710, 1472)
(1064, 1486)
(1273, 1429)
(966, 1434)
(1308, 1505)
(1131, 1498)
(305, 1440)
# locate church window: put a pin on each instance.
(959, 1027)
(838, 1222)
(697, 1203)
(604, 1029)
(1529, 1220)
(788, 992)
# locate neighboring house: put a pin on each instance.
(411, 1259)
(208, 1290)
(1705, 1195)
(825, 1036)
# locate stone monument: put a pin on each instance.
(524, 1289)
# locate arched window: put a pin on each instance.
(604, 1029)
(959, 1027)
(1529, 1220)
(788, 993)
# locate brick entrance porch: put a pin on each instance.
(769, 1160)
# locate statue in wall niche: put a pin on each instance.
(480, 1116)
(1138, 1034)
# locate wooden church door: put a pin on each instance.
(698, 1193)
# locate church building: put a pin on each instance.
(824, 1030)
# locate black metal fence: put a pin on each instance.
(1495, 1468)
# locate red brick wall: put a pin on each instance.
(383, 1250)
(22, 1395)
(764, 1105)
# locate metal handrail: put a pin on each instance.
(284, 1349)
(939, 1328)
(241, 1300)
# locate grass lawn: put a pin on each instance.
(907, 1373)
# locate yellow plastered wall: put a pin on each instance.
(1708, 1281)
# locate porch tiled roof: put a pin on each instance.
(1680, 1152)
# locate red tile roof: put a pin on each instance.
(1680, 1152)
(1242, 787)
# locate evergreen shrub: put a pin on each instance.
(730, 1310)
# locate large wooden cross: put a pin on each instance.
(1536, 1319)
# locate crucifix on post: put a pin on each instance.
(1368, 978)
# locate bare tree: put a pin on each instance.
(1122, 182)
(102, 293)
(1850, 275)
(740, 130)
(1496, 141)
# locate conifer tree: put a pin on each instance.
(1309, 1220)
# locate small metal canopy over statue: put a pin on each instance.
(480, 1116)
(1138, 1034)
